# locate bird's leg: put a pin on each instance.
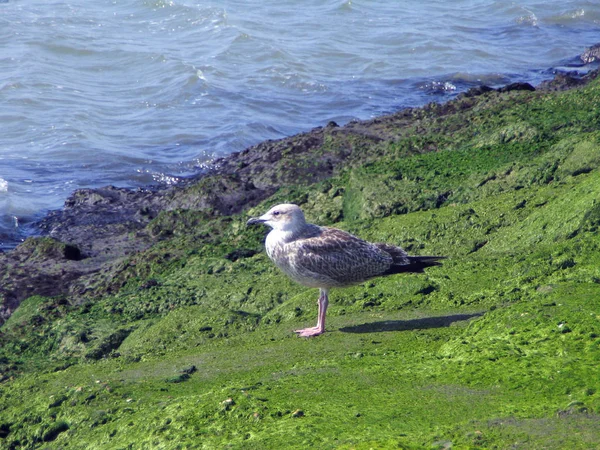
(320, 328)
(323, 303)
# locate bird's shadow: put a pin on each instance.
(412, 324)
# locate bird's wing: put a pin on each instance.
(340, 256)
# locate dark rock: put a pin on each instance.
(178, 378)
(39, 266)
(564, 81)
(517, 87)
(476, 91)
(189, 370)
(591, 54)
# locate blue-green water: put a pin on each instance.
(133, 92)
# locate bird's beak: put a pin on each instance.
(255, 220)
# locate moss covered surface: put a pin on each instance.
(189, 345)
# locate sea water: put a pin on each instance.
(137, 92)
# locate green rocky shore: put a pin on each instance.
(153, 318)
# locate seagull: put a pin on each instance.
(325, 258)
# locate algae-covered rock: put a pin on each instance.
(52, 432)
(108, 344)
(583, 158)
(514, 132)
(172, 306)
(45, 248)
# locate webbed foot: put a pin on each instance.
(310, 332)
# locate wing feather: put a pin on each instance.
(340, 256)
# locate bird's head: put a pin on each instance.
(285, 217)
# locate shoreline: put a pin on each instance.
(577, 65)
(102, 226)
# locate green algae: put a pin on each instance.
(46, 247)
(497, 348)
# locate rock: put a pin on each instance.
(178, 378)
(476, 91)
(189, 370)
(109, 344)
(516, 87)
(562, 81)
(565, 81)
(591, 54)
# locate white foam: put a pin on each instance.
(3, 185)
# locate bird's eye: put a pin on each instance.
(276, 213)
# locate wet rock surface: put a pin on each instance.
(591, 54)
(98, 228)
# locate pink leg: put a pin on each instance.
(320, 328)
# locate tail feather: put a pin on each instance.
(416, 264)
(404, 263)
